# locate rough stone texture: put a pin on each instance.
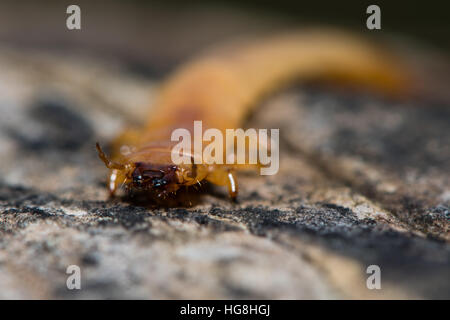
(363, 180)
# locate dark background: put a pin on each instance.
(153, 36)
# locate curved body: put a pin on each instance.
(222, 86)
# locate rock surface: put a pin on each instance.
(363, 181)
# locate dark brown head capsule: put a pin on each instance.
(154, 177)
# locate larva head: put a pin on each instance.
(158, 179)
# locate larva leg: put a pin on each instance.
(112, 183)
(232, 185)
(116, 179)
(223, 176)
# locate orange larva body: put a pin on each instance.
(221, 87)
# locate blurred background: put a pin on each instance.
(363, 179)
(152, 36)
